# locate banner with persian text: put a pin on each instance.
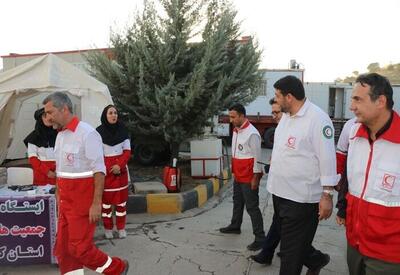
(27, 230)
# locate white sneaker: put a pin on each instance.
(122, 233)
(108, 234)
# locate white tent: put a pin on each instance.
(23, 88)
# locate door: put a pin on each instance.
(339, 103)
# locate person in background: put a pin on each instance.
(40, 143)
(341, 159)
(373, 173)
(301, 176)
(80, 173)
(276, 110)
(117, 152)
(246, 153)
(273, 236)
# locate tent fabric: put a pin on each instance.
(36, 79)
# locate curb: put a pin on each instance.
(173, 203)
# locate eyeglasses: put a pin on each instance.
(276, 112)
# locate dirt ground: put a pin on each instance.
(155, 173)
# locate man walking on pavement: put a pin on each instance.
(273, 236)
(373, 172)
(301, 177)
(246, 153)
(80, 173)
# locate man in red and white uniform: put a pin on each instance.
(80, 179)
(373, 171)
(246, 153)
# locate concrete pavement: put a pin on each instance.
(190, 243)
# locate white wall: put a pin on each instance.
(76, 58)
(260, 106)
(318, 93)
(347, 101)
(396, 98)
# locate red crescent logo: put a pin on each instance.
(70, 158)
(291, 142)
(388, 181)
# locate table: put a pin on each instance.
(27, 227)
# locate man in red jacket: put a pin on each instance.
(373, 171)
(246, 153)
(80, 181)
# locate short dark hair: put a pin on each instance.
(290, 85)
(239, 108)
(380, 85)
(272, 101)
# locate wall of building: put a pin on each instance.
(76, 58)
(260, 106)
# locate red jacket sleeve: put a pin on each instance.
(340, 162)
(124, 158)
(38, 165)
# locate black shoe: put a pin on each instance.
(254, 246)
(230, 230)
(262, 259)
(324, 262)
(125, 271)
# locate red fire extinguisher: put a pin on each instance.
(172, 177)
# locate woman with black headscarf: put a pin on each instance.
(40, 143)
(117, 152)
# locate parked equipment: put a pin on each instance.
(172, 177)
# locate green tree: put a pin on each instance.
(373, 67)
(391, 71)
(176, 66)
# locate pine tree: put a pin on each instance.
(177, 66)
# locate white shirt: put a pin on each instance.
(246, 144)
(373, 168)
(116, 150)
(255, 145)
(303, 158)
(79, 151)
(343, 142)
(42, 153)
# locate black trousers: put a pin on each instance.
(298, 222)
(272, 239)
(244, 196)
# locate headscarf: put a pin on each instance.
(112, 134)
(42, 136)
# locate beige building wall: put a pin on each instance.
(77, 58)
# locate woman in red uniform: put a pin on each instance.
(40, 143)
(117, 151)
